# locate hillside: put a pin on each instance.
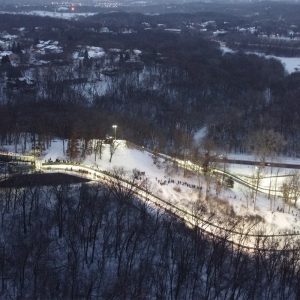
(194, 191)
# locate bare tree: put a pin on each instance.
(266, 145)
(113, 148)
(98, 148)
(256, 180)
(291, 189)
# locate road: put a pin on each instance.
(11, 156)
(257, 163)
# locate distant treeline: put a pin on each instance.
(184, 84)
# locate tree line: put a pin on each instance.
(182, 83)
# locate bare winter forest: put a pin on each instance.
(104, 104)
(91, 242)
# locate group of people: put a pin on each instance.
(62, 161)
(167, 181)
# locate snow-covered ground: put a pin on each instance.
(281, 159)
(92, 52)
(8, 37)
(291, 64)
(5, 53)
(44, 47)
(225, 49)
(270, 177)
(52, 14)
(187, 190)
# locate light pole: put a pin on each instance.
(115, 129)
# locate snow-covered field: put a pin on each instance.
(291, 64)
(187, 190)
(52, 14)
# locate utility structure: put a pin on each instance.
(115, 130)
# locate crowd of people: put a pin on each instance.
(167, 181)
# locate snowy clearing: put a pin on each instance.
(184, 189)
